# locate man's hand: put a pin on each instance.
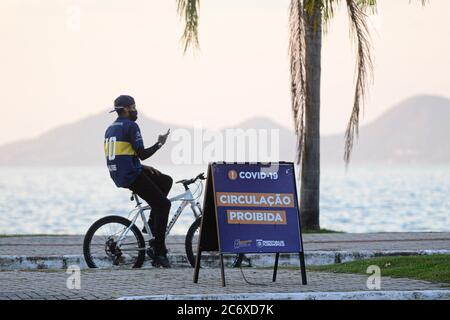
(151, 170)
(163, 137)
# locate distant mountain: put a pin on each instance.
(415, 131)
(81, 142)
(78, 143)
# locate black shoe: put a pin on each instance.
(161, 261)
(151, 250)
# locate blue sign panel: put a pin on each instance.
(257, 209)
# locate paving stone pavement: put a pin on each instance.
(112, 284)
(67, 245)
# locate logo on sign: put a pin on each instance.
(269, 243)
(242, 243)
(232, 174)
(259, 243)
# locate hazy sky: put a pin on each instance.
(56, 69)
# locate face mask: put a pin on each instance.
(133, 115)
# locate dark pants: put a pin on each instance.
(154, 188)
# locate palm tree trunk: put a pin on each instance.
(310, 174)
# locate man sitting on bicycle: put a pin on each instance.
(125, 148)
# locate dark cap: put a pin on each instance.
(122, 101)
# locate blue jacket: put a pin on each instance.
(123, 139)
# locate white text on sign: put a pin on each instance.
(240, 199)
(256, 217)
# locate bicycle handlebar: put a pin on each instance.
(186, 183)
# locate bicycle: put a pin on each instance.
(124, 245)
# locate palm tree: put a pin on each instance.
(307, 22)
(307, 19)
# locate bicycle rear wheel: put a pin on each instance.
(102, 250)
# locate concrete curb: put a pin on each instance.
(355, 295)
(10, 262)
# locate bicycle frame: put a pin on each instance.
(186, 199)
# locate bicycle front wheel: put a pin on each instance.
(191, 241)
(104, 248)
(191, 245)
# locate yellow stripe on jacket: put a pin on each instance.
(121, 148)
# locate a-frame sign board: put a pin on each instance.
(250, 208)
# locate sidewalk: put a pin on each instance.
(177, 282)
(72, 245)
(106, 284)
(57, 252)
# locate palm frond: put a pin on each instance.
(364, 68)
(188, 10)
